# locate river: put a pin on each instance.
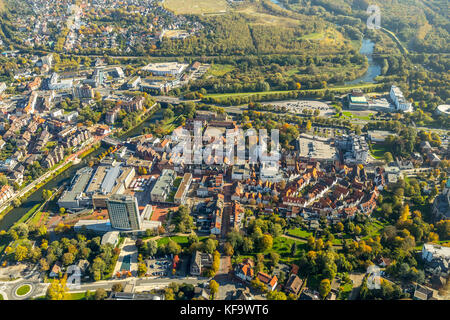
(374, 69)
(14, 215)
(367, 47)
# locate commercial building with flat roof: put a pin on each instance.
(74, 197)
(123, 211)
(165, 69)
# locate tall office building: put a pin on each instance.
(123, 211)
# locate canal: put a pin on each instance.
(14, 215)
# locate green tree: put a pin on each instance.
(57, 290)
(214, 287)
(324, 288)
(100, 294)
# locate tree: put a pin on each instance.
(209, 245)
(339, 227)
(294, 249)
(214, 287)
(274, 258)
(169, 294)
(44, 265)
(311, 242)
(266, 242)
(117, 287)
(100, 294)
(21, 253)
(68, 258)
(228, 248)
(324, 288)
(388, 158)
(276, 295)
(152, 247)
(308, 125)
(142, 269)
(57, 290)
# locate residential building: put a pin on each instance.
(163, 186)
(182, 191)
(270, 282)
(199, 262)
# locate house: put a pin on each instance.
(83, 265)
(56, 270)
(384, 262)
(202, 293)
(422, 293)
(294, 284)
(270, 282)
(431, 251)
(199, 262)
(308, 294)
(240, 294)
(244, 270)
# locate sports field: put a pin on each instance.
(196, 6)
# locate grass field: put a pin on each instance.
(283, 247)
(218, 70)
(196, 6)
(298, 232)
(181, 240)
(378, 151)
(247, 94)
(263, 18)
(353, 116)
(375, 228)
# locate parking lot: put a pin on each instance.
(299, 106)
(159, 266)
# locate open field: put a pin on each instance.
(2, 5)
(196, 6)
(266, 18)
(218, 70)
(246, 94)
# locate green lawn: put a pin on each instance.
(298, 232)
(283, 246)
(23, 290)
(314, 36)
(218, 70)
(1, 297)
(349, 114)
(375, 228)
(378, 150)
(77, 296)
(181, 240)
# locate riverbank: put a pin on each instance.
(10, 216)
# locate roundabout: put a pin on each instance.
(23, 290)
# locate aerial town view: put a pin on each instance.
(222, 150)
